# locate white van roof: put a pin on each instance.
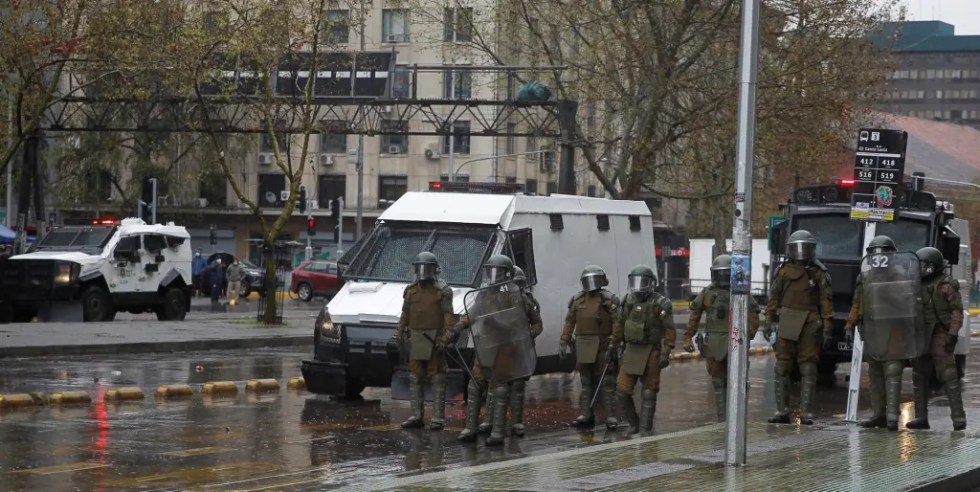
(482, 208)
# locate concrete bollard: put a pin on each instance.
(129, 393)
(70, 398)
(262, 385)
(219, 388)
(296, 384)
(174, 391)
(17, 400)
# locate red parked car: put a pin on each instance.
(315, 278)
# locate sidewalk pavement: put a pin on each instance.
(833, 457)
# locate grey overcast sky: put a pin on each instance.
(964, 14)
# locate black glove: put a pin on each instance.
(611, 355)
(828, 343)
(452, 336)
(664, 359)
(951, 343)
(562, 349)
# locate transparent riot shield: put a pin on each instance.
(892, 324)
(501, 332)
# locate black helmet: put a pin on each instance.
(519, 278)
(721, 270)
(497, 269)
(593, 278)
(426, 266)
(880, 244)
(641, 279)
(931, 261)
(801, 246)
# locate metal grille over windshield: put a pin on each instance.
(389, 253)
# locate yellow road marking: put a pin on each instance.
(51, 470)
(328, 426)
(197, 475)
(197, 452)
(291, 473)
(386, 427)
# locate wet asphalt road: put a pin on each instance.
(294, 440)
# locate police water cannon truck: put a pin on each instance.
(550, 238)
(88, 273)
(921, 220)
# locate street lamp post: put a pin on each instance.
(452, 177)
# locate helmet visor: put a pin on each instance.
(494, 275)
(640, 283)
(801, 251)
(721, 276)
(877, 250)
(591, 283)
(425, 271)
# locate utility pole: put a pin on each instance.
(10, 169)
(360, 141)
(452, 94)
(738, 359)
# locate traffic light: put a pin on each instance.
(302, 200)
(213, 235)
(335, 209)
(310, 225)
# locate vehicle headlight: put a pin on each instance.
(65, 273)
(326, 326)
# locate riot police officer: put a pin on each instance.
(646, 323)
(943, 312)
(592, 313)
(715, 300)
(884, 367)
(498, 271)
(800, 301)
(516, 423)
(427, 314)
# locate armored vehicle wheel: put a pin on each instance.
(174, 306)
(97, 305)
(305, 292)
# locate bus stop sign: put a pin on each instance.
(878, 167)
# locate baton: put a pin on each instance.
(598, 387)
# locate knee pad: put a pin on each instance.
(649, 394)
(948, 374)
(894, 368)
(439, 378)
(783, 368)
(500, 391)
(518, 385)
(808, 369)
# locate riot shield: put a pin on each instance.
(892, 324)
(501, 332)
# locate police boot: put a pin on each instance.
(500, 400)
(876, 389)
(648, 407)
(609, 401)
(417, 403)
(954, 393)
(893, 392)
(473, 401)
(721, 397)
(781, 387)
(487, 423)
(438, 420)
(516, 423)
(808, 385)
(920, 395)
(628, 410)
(585, 419)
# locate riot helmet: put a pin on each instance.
(721, 270)
(426, 266)
(497, 269)
(519, 278)
(931, 261)
(593, 278)
(879, 245)
(801, 246)
(641, 279)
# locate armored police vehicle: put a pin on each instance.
(91, 272)
(921, 220)
(551, 238)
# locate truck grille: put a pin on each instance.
(26, 278)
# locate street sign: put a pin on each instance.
(879, 164)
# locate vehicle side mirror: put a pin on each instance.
(949, 245)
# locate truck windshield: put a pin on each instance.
(837, 235)
(76, 238)
(388, 253)
(908, 235)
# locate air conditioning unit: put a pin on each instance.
(201, 202)
(284, 195)
(386, 109)
(326, 160)
(394, 149)
(432, 151)
(265, 159)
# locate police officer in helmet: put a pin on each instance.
(427, 315)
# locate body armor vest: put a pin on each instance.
(591, 317)
(799, 288)
(716, 306)
(642, 324)
(425, 307)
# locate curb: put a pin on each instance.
(150, 347)
(763, 350)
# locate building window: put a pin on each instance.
(336, 28)
(552, 187)
(511, 143)
(590, 190)
(391, 188)
(510, 180)
(330, 186)
(460, 136)
(400, 82)
(939, 94)
(922, 94)
(462, 83)
(931, 74)
(456, 178)
(532, 146)
(271, 187)
(332, 142)
(548, 162)
(531, 187)
(394, 25)
(459, 24)
(956, 114)
(394, 144)
(265, 142)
